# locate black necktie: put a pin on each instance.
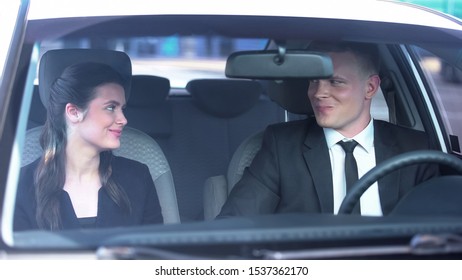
(351, 168)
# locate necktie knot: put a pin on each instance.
(348, 146)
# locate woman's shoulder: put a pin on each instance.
(26, 178)
(132, 175)
(126, 164)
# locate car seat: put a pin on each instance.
(134, 143)
(291, 96)
(209, 124)
(37, 112)
(147, 108)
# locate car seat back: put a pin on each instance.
(147, 108)
(209, 125)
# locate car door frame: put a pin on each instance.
(12, 81)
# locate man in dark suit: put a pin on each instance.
(301, 165)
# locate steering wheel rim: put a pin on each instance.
(392, 164)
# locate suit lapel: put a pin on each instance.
(385, 148)
(317, 159)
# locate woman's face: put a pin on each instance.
(104, 120)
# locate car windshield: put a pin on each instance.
(219, 140)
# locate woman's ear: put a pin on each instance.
(373, 84)
(73, 113)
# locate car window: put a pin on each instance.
(445, 82)
(189, 133)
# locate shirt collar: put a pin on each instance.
(365, 138)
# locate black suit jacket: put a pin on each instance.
(292, 171)
(132, 176)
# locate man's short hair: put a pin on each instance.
(367, 54)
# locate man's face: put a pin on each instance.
(343, 101)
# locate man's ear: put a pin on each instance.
(373, 84)
(73, 113)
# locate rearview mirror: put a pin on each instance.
(277, 65)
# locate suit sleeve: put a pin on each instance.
(258, 190)
(425, 171)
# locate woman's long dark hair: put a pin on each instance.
(76, 85)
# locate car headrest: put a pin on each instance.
(53, 63)
(224, 98)
(37, 113)
(292, 95)
(148, 91)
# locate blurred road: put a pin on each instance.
(183, 70)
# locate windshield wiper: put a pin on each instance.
(422, 244)
(137, 253)
(436, 244)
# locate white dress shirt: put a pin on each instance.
(364, 154)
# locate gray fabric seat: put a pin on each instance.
(217, 188)
(291, 96)
(134, 144)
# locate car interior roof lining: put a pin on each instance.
(237, 26)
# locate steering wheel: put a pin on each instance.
(392, 164)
